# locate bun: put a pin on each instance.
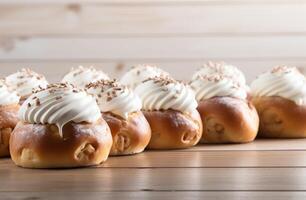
(8, 121)
(228, 120)
(280, 118)
(41, 146)
(130, 135)
(173, 129)
(120, 107)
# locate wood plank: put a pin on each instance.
(202, 48)
(161, 179)
(182, 70)
(155, 195)
(133, 2)
(203, 159)
(152, 19)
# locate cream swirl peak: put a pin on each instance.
(82, 76)
(220, 68)
(217, 85)
(163, 93)
(7, 97)
(282, 81)
(59, 104)
(139, 73)
(24, 81)
(115, 98)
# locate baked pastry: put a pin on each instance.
(170, 108)
(81, 76)
(60, 127)
(279, 96)
(227, 114)
(24, 81)
(121, 109)
(139, 73)
(8, 116)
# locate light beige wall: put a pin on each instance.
(53, 35)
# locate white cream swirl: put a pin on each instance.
(115, 98)
(25, 81)
(7, 97)
(139, 73)
(282, 81)
(163, 93)
(216, 85)
(59, 104)
(82, 76)
(221, 68)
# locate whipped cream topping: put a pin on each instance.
(59, 104)
(139, 73)
(163, 93)
(217, 85)
(282, 81)
(114, 97)
(24, 81)
(221, 68)
(7, 97)
(82, 76)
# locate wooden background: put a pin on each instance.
(51, 36)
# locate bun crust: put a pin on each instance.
(129, 136)
(173, 129)
(8, 121)
(280, 118)
(41, 146)
(228, 120)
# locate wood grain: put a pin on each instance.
(182, 70)
(138, 20)
(155, 195)
(157, 48)
(148, 179)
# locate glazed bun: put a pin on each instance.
(139, 73)
(279, 96)
(227, 114)
(121, 109)
(24, 82)
(8, 116)
(60, 127)
(81, 76)
(170, 108)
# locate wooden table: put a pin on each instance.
(265, 169)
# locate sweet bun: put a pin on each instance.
(24, 82)
(227, 114)
(139, 73)
(8, 116)
(279, 96)
(121, 109)
(81, 76)
(60, 127)
(170, 108)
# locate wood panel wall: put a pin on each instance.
(178, 35)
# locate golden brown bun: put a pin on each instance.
(8, 121)
(228, 120)
(280, 118)
(41, 146)
(173, 129)
(129, 136)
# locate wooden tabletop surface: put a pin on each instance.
(265, 169)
